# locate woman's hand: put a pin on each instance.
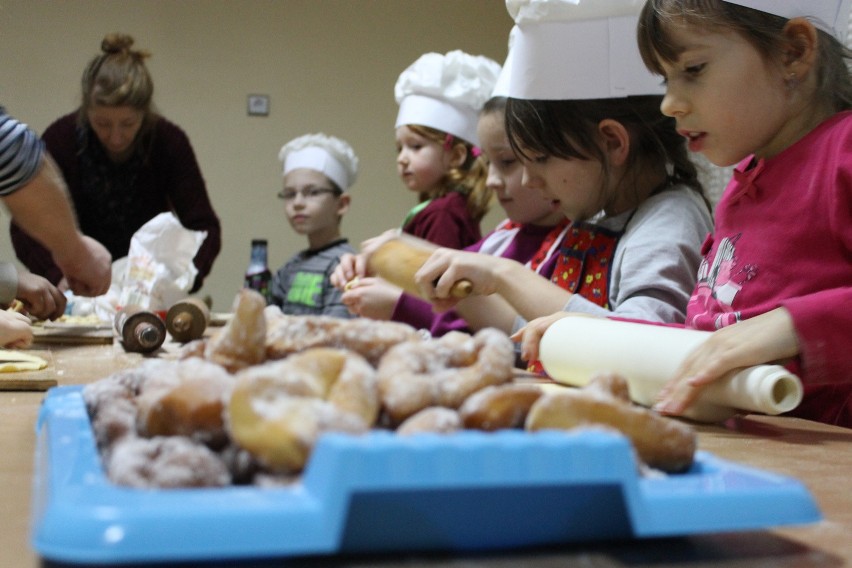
(373, 298)
(530, 335)
(763, 339)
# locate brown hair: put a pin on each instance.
(763, 31)
(117, 77)
(567, 129)
(468, 179)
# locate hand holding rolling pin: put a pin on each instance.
(769, 337)
(530, 335)
(440, 277)
(353, 267)
(400, 260)
(395, 258)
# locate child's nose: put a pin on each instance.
(528, 180)
(673, 104)
(493, 180)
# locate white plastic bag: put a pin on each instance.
(159, 268)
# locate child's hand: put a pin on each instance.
(767, 338)
(530, 335)
(41, 299)
(445, 267)
(16, 332)
(373, 298)
(350, 267)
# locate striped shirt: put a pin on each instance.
(20, 153)
(303, 285)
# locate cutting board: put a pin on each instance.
(31, 380)
(72, 334)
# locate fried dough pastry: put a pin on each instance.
(435, 420)
(369, 338)
(278, 410)
(185, 398)
(241, 342)
(442, 372)
(660, 442)
(165, 461)
(499, 406)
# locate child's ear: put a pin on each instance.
(802, 41)
(343, 203)
(458, 155)
(616, 141)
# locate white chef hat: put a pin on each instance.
(831, 16)
(577, 49)
(326, 154)
(446, 92)
(501, 87)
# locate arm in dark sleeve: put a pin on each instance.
(191, 202)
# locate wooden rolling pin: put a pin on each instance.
(187, 319)
(398, 261)
(140, 330)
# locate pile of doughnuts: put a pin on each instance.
(248, 404)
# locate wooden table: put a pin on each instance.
(819, 455)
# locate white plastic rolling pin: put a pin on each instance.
(573, 349)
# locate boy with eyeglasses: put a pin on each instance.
(318, 172)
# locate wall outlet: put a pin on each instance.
(258, 105)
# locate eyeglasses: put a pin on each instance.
(311, 193)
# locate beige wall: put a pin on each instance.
(327, 65)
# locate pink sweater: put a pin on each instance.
(783, 237)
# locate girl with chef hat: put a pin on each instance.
(530, 234)
(318, 171)
(763, 85)
(439, 97)
(583, 116)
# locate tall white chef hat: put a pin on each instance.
(831, 16)
(446, 92)
(577, 49)
(326, 154)
(501, 87)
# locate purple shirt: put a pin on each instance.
(168, 180)
(525, 242)
(446, 222)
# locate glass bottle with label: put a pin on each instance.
(258, 275)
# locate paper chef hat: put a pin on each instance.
(327, 154)
(501, 87)
(831, 16)
(577, 49)
(446, 92)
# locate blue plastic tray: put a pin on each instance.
(383, 492)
